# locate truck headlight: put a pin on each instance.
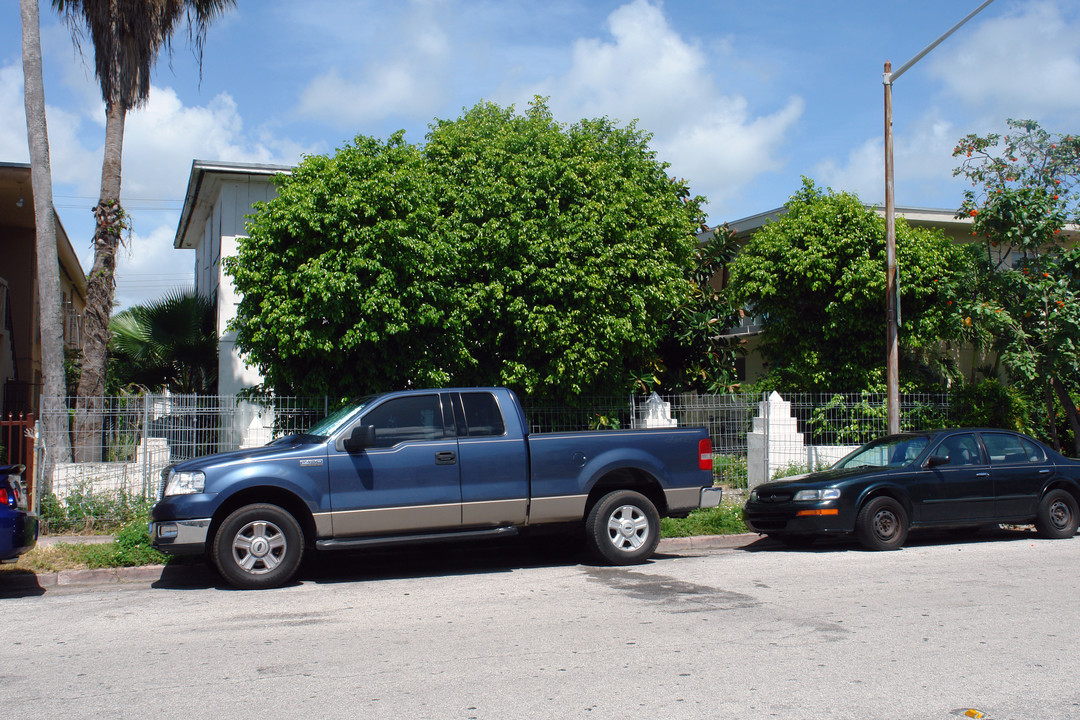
(825, 494)
(184, 483)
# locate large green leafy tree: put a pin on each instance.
(508, 249)
(816, 276)
(1027, 308)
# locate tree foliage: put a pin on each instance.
(1027, 307)
(508, 249)
(816, 276)
(167, 344)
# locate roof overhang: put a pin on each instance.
(203, 184)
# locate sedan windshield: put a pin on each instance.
(893, 451)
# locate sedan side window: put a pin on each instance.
(409, 418)
(1011, 449)
(961, 450)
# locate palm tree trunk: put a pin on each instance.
(100, 287)
(50, 310)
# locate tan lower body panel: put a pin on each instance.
(562, 508)
(384, 521)
(494, 512)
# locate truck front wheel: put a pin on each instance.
(623, 528)
(258, 546)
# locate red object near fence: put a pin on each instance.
(18, 444)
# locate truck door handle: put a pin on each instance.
(447, 457)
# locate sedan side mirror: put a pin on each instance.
(362, 436)
(935, 460)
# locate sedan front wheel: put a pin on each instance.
(882, 524)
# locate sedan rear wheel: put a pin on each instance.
(882, 524)
(1057, 516)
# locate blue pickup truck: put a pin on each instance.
(428, 466)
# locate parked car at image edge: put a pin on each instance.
(18, 526)
(429, 466)
(958, 478)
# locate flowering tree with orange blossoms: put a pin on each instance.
(1024, 209)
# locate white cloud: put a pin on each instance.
(922, 164)
(1023, 64)
(13, 145)
(162, 138)
(149, 267)
(410, 78)
(647, 71)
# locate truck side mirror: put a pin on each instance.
(362, 436)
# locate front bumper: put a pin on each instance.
(180, 537)
(785, 519)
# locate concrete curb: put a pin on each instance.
(153, 573)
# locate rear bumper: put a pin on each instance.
(681, 501)
(18, 533)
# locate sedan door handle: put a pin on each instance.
(982, 474)
(447, 457)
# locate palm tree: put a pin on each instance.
(127, 36)
(50, 312)
(167, 344)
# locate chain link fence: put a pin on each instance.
(121, 445)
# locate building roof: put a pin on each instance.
(206, 176)
(17, 210)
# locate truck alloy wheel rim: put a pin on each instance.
(259, 547)
(886, 525)
(628, 528)
(1060, 515)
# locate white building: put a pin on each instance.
(219, 198)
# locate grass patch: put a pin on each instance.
(723, 520)
(131, 548)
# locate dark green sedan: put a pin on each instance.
(960, 478)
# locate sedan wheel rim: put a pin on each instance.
(1060, 515)
(259, 547)
(886, 525)
(628, 528)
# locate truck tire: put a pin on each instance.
(623, 528)
(258, 546)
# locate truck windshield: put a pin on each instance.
(335, 420)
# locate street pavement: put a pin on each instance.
(940, 629)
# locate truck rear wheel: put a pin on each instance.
(623, 528)
(258, 546)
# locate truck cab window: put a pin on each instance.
(482, 415)
(405, 419)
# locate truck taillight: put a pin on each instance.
(704, 448)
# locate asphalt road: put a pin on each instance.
(928, 632)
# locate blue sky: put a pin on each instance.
(742, 98)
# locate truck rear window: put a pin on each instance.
(482, 414)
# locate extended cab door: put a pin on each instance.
(494, 459)
(409, 481)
